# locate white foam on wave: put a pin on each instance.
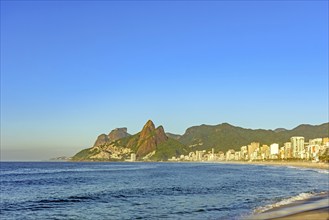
(323, 171)
(301, 196)
(309, 169)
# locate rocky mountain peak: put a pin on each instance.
(149, 124)
(149, 138)
(101, 139)
(160, 135)
(118, 133)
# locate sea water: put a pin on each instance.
(72, 190)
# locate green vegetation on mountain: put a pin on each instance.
(169, 149)
(225, 136)
(173, 136)
(85, 154)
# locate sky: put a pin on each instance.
(71, 70)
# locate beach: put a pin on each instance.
(314, 207)
(302, 164)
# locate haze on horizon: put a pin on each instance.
(72, 70)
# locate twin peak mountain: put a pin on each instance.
(149, 144)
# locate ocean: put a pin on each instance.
(79, 190)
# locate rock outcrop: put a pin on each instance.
(101, 140)
(150, 137)
(114, 135)
(118, 133)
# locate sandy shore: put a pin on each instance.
(304, 164)
(315, 207)
(320, 214)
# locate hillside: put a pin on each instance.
(225, 136)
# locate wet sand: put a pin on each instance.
(320, 214)
(316, 207)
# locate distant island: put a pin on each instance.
(210, 143)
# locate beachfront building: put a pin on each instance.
(199, 155)
(252, 153)
(274, 151)
(230, 154)
(237, 155)
(244, 153)
(281, 153)
(212, 156)
(297, 144)
(287, 150)
(315, 141)
(264, 152)
(314, 149)
(132, 157)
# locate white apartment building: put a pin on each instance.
(297, 144)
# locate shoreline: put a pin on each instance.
(313, 207)
(302, 164)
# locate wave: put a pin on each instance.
(28, 171)
(310, 169)
(287, 201)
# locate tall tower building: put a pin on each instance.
(297, 145)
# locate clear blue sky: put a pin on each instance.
(72, 70)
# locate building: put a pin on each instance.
(244, 153)
(297, 144)
(287, 150)
(325, 141)
(316, 141)
(199, 155)
(237, 155)
(252, 153)
(274, 151)
(230, 154)
(281, 153)
(265, 152)
(221, 155)
(133, 157)
(212, 155)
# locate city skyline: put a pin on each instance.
(73, 70)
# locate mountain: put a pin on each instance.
(280, 129)
(225, 136)
(149, 144)
(118, 133)
(149, 139)
(101, 139)
(173, 136)
(114, 135)
(309, 131)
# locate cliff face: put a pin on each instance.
(150, 137)
(114, 135)
(118, 133)
(101, 139)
